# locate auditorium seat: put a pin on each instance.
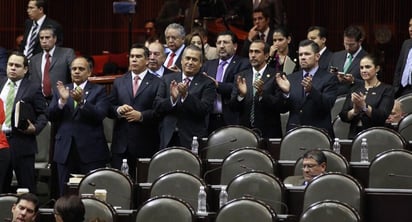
(97, 210)
(335, 163)
(6, 202)
(405, 127)
(406, 101)
(165, 209)
(330, 210)
(246, 210)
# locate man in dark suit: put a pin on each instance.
(135, 133)
(22, 140)
(58, 65)
(156, 59)
(319, 35)
(256, 95)
(309, 93)
(229, 65)
(175, 37)
(77, 110)
(402, 79)
(347, 61)
(37, 19)
(185, 102)
(261, 30)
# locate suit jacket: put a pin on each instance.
(295, 180)
(325, 59)
(400, 65)
(59, 67)
(246, 43)
(81, 125)
(338, 60)
(211, 52)
(47, 21)
(178, 61)
(30, 93)
(189, 117)
(237, 64)
(141, 139)
(267, 112)
(314, 108)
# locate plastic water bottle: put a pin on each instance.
(364, 151)
(195, 145)
(336, 146)
(125, 167)
(201, 202)
(223, 197)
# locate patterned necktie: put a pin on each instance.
(252, 109)
(348, 62)
(303, 88)
(171, 58)
(135, 85)
(32, 40)
(262, 36)
(407, 71)
(219, 77)
(10, 102)
(78, 88)
(46, 77)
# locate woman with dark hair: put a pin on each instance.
(281, 56)
(195, 38)
(370, 102)
(69, 209)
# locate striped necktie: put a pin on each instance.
(10, 102)
(252, 109)
(33, 39)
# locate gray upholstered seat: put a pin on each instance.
(405, 127)
(391, 169)
(335, 163)
(171, 159)
(340, 129)
(330, 210)
(406, 101)
(246, 210)
(337, 107)
(259, 185)
(165, 209)
(97, 209)
(119, 187)
(6, 202)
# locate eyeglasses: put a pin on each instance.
(309, 166)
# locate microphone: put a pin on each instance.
(47, 204)
(230, 140)
(220, 167)
(269, 201)
(399, 175)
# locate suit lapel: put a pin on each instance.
(145, 82)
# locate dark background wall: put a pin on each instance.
(90, 26)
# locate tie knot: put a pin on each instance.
(11, 83)
(35, 24)
(306, 75)
(262, 36)
(223, 63)
(48, 55)
(350, 56)
(187, 80)
(172, 54)
(257, 76)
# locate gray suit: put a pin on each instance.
(59, 67)
(400, 66)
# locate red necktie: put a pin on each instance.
(46, 77)
(170, 62)
(135, 85)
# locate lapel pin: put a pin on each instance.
(268, 75)
(195, 83)
(373, 93)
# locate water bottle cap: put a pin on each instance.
(195, 137)
(223, 187)
(364, 139)
(124, 160)
(336, 139)
(202, 187)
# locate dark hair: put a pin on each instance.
(264, 12)
(140, 46)
(50, 28)
(41, 4)
(266, 47)
(317, 155)
(353, 32)
(200, 30)
(195, 48)
(20, 54)
(30, 198)
(228, 32)
(323, 32)
(312, 44)
(70, 208)
(283, 30)
(376, 60)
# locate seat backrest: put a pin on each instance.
(226, 139)
(119, 187)
(245, 159)
(340, 129)
(43, 147)
(379, 139)
(259, 185)
(181, 184)
(334, 186)
(406, 101)
(171, 159)
(391, 169)
(337, 107)
(97, 209)
(108, 125)
(165, 209)
(324, 211)
(246, 210)
(405, 127)
(284, 121)
(335, 163)
(301, 139)
(6, 202)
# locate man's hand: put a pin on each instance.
(31, 129)
(258, 84)
(77, 95)
(64, 92)
(123, 109)
(183, 87)
(213, 79)
(283, 82)
(174, 92)
(133, 116)
(252, 33)
(241, 86)
(307, 84)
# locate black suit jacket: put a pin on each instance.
(324, 59)
(400, 65)
(267, 112)
(189, 117)
(47, 21)
(224, 89)
(141, 139)
(338, 60)
(313, 109)
(246, 43)
(30, 93)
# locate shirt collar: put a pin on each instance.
(141, 75)
(82, 85)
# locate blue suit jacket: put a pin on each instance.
(140, 138)
(82, 125)
(189, 117)
(400, 65)
(313, 109)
